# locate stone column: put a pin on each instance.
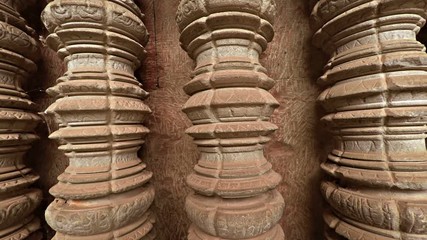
(376, 99)
(230, 108)
(104, 192)
(18, 51)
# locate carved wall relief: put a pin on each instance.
(230, 107)
(104, 192)
(18, 51)
(377, 102)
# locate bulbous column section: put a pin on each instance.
(230, 107)
(18, 51)
(376, 100)
(104, 192)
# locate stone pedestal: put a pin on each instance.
(104, 192)
(376, 100)
(230, 107)
(18, 52)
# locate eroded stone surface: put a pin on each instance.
(18, 51)
(376, 103)
(230, 107)
(104, 192)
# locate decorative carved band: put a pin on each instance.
(18, 51)
(230, 106)
(104, 192)
(377, 103)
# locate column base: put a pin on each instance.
(142, 229)
(235, 218)
(276, 233)
(353, 230)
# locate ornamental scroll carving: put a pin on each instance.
(376, 100)
(104, 193)
(18, 51)
(230, 108)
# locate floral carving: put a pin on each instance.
(17, 122)
(105, 192)
(186, 8)
(376, 103)
(229, 105)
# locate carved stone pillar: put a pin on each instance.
(230, 106)
(18, 51)
(376, 97)
(104, 192)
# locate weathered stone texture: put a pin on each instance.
(230, 108)
(104, 192)
(376, 103)
(171, 155)
(18, 53)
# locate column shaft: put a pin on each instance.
(18, 53)
(230, 108)
(104, 192)
(376, 101)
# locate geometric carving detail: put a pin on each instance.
(18, 51)
(376, 102)
(230, 108)
(104, 193)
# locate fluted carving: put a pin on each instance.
(376, 100)
(230, 106)
(104, 192)
(18, 51)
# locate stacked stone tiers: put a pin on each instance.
(104, 193)
(230, 107)
(376, 101)
(18, 201)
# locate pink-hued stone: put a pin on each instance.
(18, 51)
(104, 193)
(376, 101)
(230, 107)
